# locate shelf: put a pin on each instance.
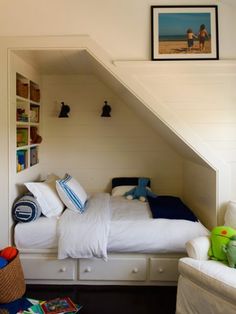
(21, 98)
(22, 147)
(27, 123)
(21, 123)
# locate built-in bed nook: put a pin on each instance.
(97, 152)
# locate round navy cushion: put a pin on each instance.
(26, 208)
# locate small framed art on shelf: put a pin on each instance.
(34, 113)
(184, 32)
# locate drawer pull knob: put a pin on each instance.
(160, 270)
(63, 269)
(88, 269)
(135, 270)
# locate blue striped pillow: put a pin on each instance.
(26, 209)
(71, 193)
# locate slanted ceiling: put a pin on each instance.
(80, 62)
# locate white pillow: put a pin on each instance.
(121, 190)
(230, 215)
(71, 193)
(47, 196)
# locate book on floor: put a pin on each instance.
(59, 306)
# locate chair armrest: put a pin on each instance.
(197, 248)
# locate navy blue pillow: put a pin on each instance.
(26, 208)
(170, 207)
(119, 181)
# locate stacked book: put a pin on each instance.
(62, 305)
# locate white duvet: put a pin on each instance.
(133, 229)
(115, 224)
(85, 235)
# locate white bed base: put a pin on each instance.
(43, 267)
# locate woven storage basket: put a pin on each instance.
(12, 282)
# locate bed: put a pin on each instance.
(115, 241)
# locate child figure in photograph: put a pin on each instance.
(202, 35)
(190, 39)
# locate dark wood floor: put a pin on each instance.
(111, 299)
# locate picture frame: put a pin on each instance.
(184, 32)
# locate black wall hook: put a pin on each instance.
(65, 109)
(106, 110)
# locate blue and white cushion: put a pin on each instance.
(72, 193)
(26, 209)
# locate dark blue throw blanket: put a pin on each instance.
(16, 306)
(170, 207)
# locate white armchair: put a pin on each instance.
(206, 286)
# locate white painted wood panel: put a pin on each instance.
(4, 149)
(46, 268)
(123, 30)
(233, 179)
(164, 269)
(95, 149)
(131, 269)
(202, 96)
(200, 192)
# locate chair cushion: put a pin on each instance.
(211, 275)
(197, 248)
(230, 214)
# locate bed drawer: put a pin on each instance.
(114, 269)
(164, 269)
(48, 268)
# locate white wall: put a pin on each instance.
(95, 149)
(200, 193)
(121, 27)
(202, 96)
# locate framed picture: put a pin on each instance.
(184, 32)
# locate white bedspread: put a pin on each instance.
(39, 234)
(85, 235)
(134, 230)
(127, 226)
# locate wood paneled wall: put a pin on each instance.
(95, 149)
(203, 96)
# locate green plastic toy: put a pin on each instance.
(220, 236)
(230, 250)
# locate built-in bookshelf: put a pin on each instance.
(27, 122)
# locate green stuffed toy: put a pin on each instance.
(141, 191)
(220, 237)
(230, 250)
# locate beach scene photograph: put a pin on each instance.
(184, 33)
